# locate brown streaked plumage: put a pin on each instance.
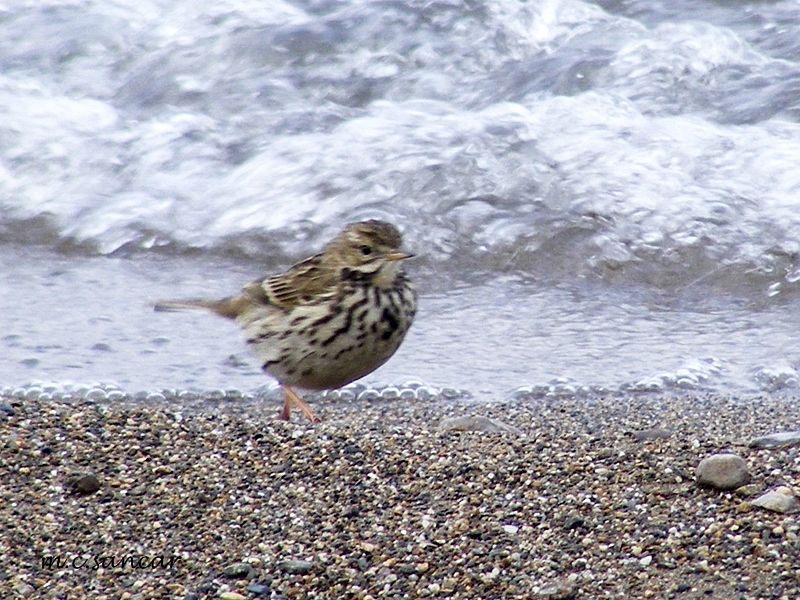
(329, 319)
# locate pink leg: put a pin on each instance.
(291, 396)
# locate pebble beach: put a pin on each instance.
(562, 498)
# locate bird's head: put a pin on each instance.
(369, 250)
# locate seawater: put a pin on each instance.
(601, 195)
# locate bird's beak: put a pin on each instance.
(398, 256)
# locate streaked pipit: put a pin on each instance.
(329, 319)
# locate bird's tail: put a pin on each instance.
(227, 307)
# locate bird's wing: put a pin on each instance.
(300, 284)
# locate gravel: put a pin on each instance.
(378, 502)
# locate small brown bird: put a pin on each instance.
(329, 319)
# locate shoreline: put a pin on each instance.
(378, 502)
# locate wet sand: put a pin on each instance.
(136, 501)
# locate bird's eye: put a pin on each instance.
(365, 250)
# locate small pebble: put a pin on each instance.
(239, 570)
(84, 484)
(751, 489)
(259, 589)
(558, 590)
(295, 567)
(348, 512)
(25, 589)
(574, 522)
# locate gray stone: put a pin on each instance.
(778, 501)
(574, 522)
(349, 512)
(477, 423)
(239, 570)
(259, 589)
(645, 435)
(751, 489)
(723, 471)
(558, 590)
(776, 440)
(26, 590)
(84, 483)
(295, 567)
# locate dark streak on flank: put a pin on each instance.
(342, 330)
(261, 337)
(391, 320)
